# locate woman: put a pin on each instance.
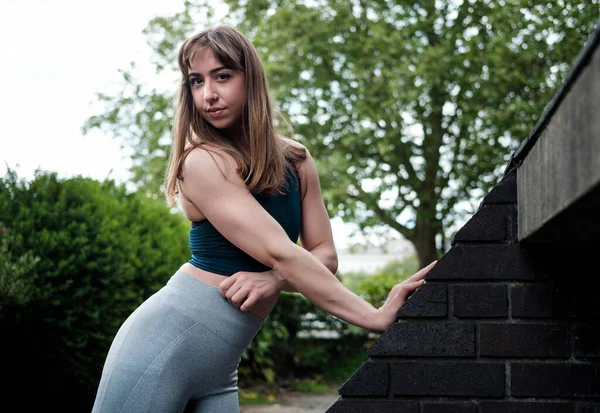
(249, 195)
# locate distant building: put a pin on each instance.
(369, 258)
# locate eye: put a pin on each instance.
(223, 76)
(195, 81)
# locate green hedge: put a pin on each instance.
(88, 252)
(79, 255)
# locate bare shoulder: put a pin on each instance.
(208, 173)
(209, 162)
(293, 143)
(308, 161)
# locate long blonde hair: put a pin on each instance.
(270, 156)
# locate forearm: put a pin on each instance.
(326, 255)
(306, 274)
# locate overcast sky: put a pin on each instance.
(55, 56)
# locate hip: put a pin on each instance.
(260, 309)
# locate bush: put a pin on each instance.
(101, 251)
(375, 287)
(272, 355)
(287, 347)
(78, 256)
(16, 285)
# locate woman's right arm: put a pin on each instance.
(212, 183)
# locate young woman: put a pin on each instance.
(250, 195)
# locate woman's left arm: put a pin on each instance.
(316, 237)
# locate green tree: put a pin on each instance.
(16, 286)
(412, 108)
(77, 256)
(100, 251)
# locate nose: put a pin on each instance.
(210, 95)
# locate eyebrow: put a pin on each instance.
(211, 71)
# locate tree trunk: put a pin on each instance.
(424, 242)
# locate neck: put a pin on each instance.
(239, 139)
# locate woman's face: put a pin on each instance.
(219, 92)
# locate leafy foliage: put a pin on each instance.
(300, 340)
(410, 108)
(16, 285)
(277, 353)
(100, 252)
(374, 288)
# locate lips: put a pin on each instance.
(215, 112)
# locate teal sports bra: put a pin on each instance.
(212, 252)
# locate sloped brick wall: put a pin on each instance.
(499, 327)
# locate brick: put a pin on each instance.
(430, 300)
(532, 301)
(373, 406)
(490, 223)
(566, 266)
(505, 191)
(513, 227)
(450, 407)
(487, 262)
(587, 307)
(586, 340)
(426, 340)
(555, 380)
(371, 379)
(588, 408)
(585, 298)
(447, 379)
(524, 340)
(480, 301)
(525, 407)
(574, 299)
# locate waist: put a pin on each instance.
(218, 262)
(261, 309)
(207, 277)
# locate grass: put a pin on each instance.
(333, 376)
(252, 397)
(313, 386)
(267, 394)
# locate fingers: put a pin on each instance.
(419, 275)
(226, 285)
(407, 287)
(413, 286)
(239, 297)
(400, 292)
(250, 301)
(244, 289)
(233, 290)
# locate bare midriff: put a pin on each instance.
(262, 308)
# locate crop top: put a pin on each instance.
(212, 252)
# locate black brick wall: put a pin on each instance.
(499, 327)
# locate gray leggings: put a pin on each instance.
(178, 351)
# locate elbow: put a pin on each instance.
(329, 258)
(327, 255)
(332, 264)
